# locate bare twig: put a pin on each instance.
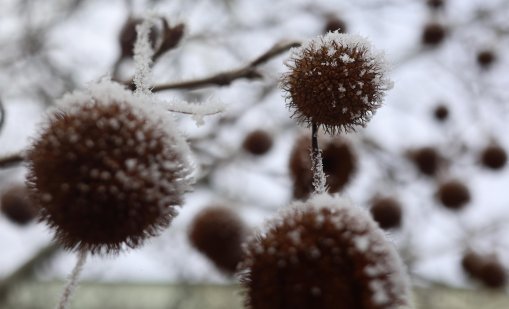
(10, 160)
(225, 78)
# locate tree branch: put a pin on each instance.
(11, 160)
(225, 78)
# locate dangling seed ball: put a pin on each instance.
(338, 159)
(258, 142)
(441, 113)
(486, 58)
(453, 194)
(387, 212)
(335, 24)
(336, 81)
(218, 233)
(108, 169)
(493, 274)
(435, 4)
(16, 205)
(433, 34)
(324, 253)
(472, 263)
(427, 160)
(128, 34)
(494, 157)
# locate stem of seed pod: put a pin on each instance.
(316, 160)
(73, 281)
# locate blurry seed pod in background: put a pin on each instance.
(453, 194)
(387, 212)
(218, 233)
(333, 23)
(433, 34)
(436, 4)
(493, 157)
(493, 274)
(258, 142)
(127, 36)
(16, 205)
(441, 113)
(323, 253)
(108, 169)
(472, 262)
(426, 159)
(338, 159)
(486, 58)
(336, 81)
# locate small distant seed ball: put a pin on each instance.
(218, 233)
(433, 34)
(441, 113)
(258, 142)
(387, 212)
(338, 159)
(107, 170)
(336, 81)
(128, 35)
(335, 24)
(16, 205)
(472, 263)
(453, 194)
(494, 157)
(493, 274)
(427, 160)
(486, 58)
(324, 253)
(435, 4)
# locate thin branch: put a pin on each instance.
(73, 281)
(11, 160)
(2, 115)
(225, 78)
(319, 182)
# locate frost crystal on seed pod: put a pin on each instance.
(337, 81)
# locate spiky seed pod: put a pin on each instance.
(338, 159)
(108, 169)
(494, 157)
(427, 160)
(433, 34)
(387, 212)
(336, 81)
(323, 253)
(218, 233)
(486, 58)
(472, 263)
(16, 205)
(493, 274)
(258, 142)
(441, 113)
(453, 194)
(335, 24)
(128, 34)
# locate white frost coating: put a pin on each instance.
(351, 42)
(198, 110)
(143, 53)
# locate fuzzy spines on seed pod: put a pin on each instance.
(108, 169)
(336, 81)
(323, 253)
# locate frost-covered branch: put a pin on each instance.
(225, 78)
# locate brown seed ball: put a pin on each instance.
(493, 274)
(427, 160)
(128, 35)
(387, 212)
(494, 157)
(441, 113)
(338, 159)
(335, 81)
(433, 34)
(107, 170)
(453, 194)
(324, 253)
(486, 58)
(472, 263)
(335, 24)
(16, 205)
(258, 142)
(218, 233)
(435, 4)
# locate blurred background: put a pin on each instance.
(430, 166)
